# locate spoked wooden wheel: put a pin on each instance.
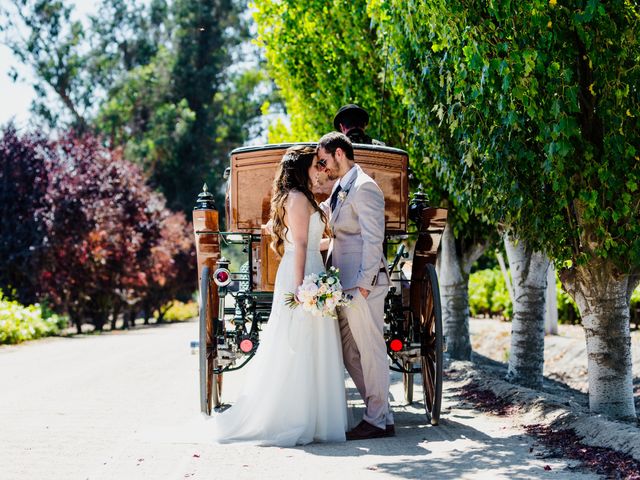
(431, 345)
(407, 381)
(210, 382)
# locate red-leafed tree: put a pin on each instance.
(104, 227)
(172, 272)
(81, 227)
(101, 223)
(23, 186)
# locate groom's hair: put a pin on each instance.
(334, 140)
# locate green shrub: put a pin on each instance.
(567, 309)
(481, 285)
(177, 311)
(488, 294)
(19, 323)
(500, 299)
(635, 298)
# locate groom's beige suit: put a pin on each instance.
(357, 231)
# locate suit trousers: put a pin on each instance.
(365, 352)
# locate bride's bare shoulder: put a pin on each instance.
(296, 198)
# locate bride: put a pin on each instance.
(294, 391)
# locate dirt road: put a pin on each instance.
(125, 406)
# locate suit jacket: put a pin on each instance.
(357, 135)
(357, 231)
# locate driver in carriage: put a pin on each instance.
(352, 120)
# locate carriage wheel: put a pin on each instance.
(210, 383)
(432, 345)
(407, 381)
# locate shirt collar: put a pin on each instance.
(344, 181)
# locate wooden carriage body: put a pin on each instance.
(250, 187)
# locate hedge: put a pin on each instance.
(19, 323)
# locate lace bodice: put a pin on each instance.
(316, 229)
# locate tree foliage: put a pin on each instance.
(43, 35)
(323, 55)
(23, 186)
(96, 239)
(152, 77)
(541, 100)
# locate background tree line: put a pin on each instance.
(135, 109)
(522, 119)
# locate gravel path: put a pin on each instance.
(124, 406)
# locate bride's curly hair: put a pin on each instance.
(292, 174)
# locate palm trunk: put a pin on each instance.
(455, 262)
(603, 298)
(529, 275)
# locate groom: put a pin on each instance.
(356, 221)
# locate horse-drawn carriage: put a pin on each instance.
(235, 303)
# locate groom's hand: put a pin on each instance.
(364, 292)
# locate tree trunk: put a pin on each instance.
(125, 319)
(603, 298)
(114, 316)
(455, 262)
(529, 275)
(145, 312)
(551, 303)
(99, 319)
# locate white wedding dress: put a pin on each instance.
(294, 391)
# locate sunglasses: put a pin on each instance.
(322, 163)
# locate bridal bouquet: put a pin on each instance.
(320, 294)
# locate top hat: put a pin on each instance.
(353, 111)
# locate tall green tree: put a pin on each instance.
(43, 36)
(543, 100)
(205, 32)
(322, 55)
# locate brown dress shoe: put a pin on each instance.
(365, 430)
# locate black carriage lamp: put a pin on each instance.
(418, 204)
(205, 200)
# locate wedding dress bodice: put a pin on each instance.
(316, 229)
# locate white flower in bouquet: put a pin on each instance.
(320, 294)
(331, 302)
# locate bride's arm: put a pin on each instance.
(324, 244)
(298, 213)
